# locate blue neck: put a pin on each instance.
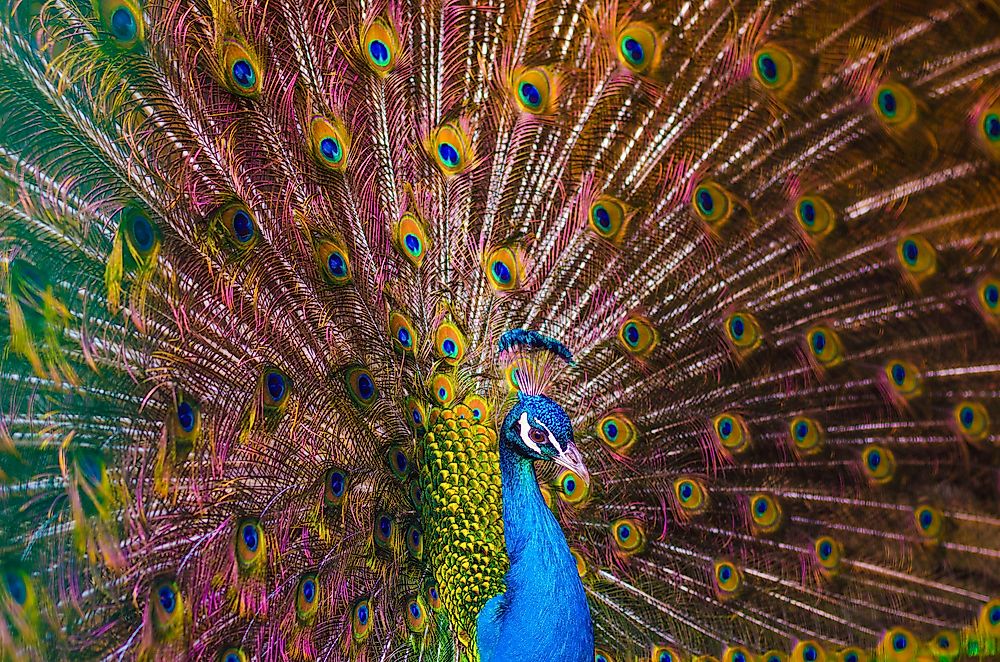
(543, 614)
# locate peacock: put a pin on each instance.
(500, 330)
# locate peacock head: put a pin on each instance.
(537, 428)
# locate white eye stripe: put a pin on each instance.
(525, 433)
(552, 437)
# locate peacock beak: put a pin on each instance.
(571, 458)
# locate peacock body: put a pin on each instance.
(500, 331)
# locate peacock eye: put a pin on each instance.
(537, 436)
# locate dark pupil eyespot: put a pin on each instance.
(851, 657)
(337, 265)
(363, 614)
(448, 154)
(738, 328)
(242, 226)
(899, 642)
(476, 414)
(415, 538)
(874, 459)
(412, 243)
(725, 573)
(384, 527)
(705, 201)
(434, 593)
(612, 430)
(250, 537)
(819, 342)
(898, 374)
(808, 213)
(992, 126)
(944, 643)
(570, 485)
(501, 271)
(992, 295)
(926, 517)
(309, 590)
(337, 483)
(632, 334)
(330, 148)
(768, 68)
(416, 416)
(739, 657)
(761, 506)
(142, 232)
(401, 461)
(801, 430)
(825, 549)
(167, 599)
(243, 73)
(185, 416)
(530, 94)
(275, 386)
(726, 428)
(232, 658)
(910, 251)
(624, 531)
(442, 393)
(686, 491)
(91, 468)
(602, 217)
(379, 51)
(404, 337)
(123, 24)
(449, 347)
(995, 615)
(414, 610)
(366, 387)
(809, 654)
(888, 101)
(633, 50)
(16, 587)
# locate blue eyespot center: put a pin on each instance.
(530, 95)
(819, 342)
(611, 430)
(385, 526)
(185, 416)
(449, 155)
(414, 610)
(801, 430)
(706, 203)
(851, 657)
(363, 615)
(366, 387)
(379, 52)
(807, 211)
(450, 347)
(739, 657)
(502, 272)
(331, 149)
(898, 374)
(602, 218)
(309, 590)
(737, 327)
(944, 642)
(275, 386)
(243, 73)
(417, 418)
(404, 338)
(16, 587)
(725, 427)
(231, 657)
(767, 67)
(910, 251)
(991, 126)
(809, 653)
(123, 26)
(243, 226)
(725, 573)
(926, 518)
(992, 295)
(995, 615)
(874, 459)
(825, 550)
(899, 642)
(401, 460)
(761, 506)
(168, 600)
(415, 538)
(142, 232)
(687, 489)
(412, 243)
(633, 50)
(632, 334)
(337, 483)
(337, 265)
(887, 103)
(624, 532)
(250, 538)
(569, 485)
